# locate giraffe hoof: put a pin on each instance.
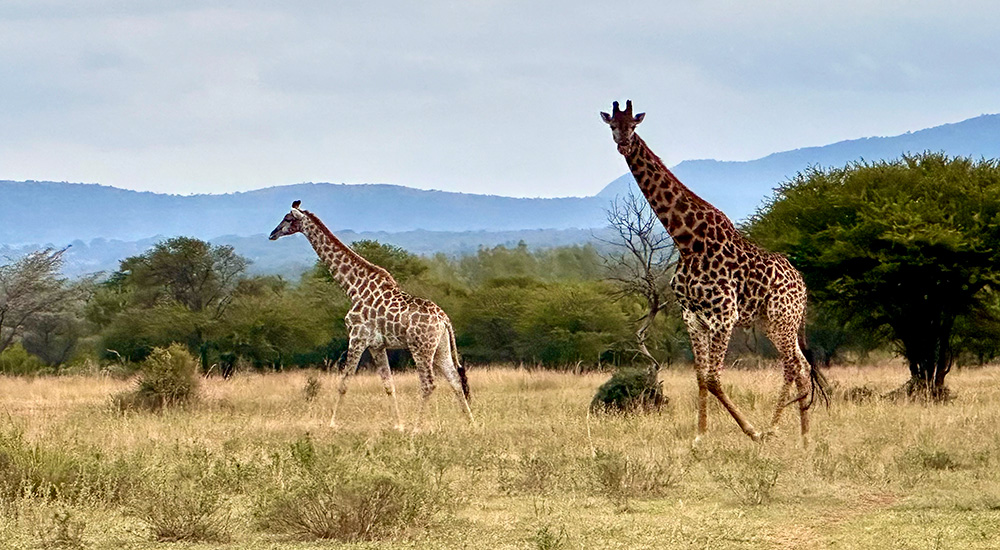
(399, 428)
(757, 437)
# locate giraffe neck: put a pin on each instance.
(694, 224)
(356, 275)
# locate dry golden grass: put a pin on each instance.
(534, 473)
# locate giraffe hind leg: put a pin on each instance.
(444, 362)
(425, 364)
(796, 371)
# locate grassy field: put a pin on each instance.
(252, 465)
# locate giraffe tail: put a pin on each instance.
(817, 379)
(458, 366)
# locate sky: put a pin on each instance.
(472, 96)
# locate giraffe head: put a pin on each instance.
(290, 224)
(623, 125)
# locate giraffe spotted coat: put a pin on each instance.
(722, 281)
(383, 316)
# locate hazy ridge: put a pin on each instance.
(105, 224)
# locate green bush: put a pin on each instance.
(15, 360)
(630, 390)
(168, 377)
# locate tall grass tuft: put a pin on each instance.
(61, 532)
(183, 511)
(350, 508)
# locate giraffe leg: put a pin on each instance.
(443, 361)
(699, 345)
(717, 355)
(802, 384)
(354, 352)
(382, 366)
(783, 333)
(424, 361)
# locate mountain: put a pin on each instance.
(106, 224)
(88, 211)
(738, 188)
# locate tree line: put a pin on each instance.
(901, 255)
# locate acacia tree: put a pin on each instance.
(641, 261)
(906, 248)
(31, 288)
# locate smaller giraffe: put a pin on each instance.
(382, 316)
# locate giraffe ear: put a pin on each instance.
(296, 204)
(606, 117)
(639, 117)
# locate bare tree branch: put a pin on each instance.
(641, 262)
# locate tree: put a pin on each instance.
(401, 264)
(188, 271)
(177, 291)
(31, 288)
(908, 247)
(641, 261)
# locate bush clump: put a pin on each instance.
(630, 390)
(355, 507)
(168, 377)
(182, 511)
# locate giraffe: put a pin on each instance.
(382, 316)
(722, 281)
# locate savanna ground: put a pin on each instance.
(253, 465)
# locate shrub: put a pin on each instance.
(750, 477)
(61, 532)
(621, 477)
(31, 470)
(630, 390)
(350, 507)
(312, 388)
(15, 360)
(184, 511)
(168, 377)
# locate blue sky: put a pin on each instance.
(473, 96)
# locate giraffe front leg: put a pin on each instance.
(354, 351)
(699, 345)
(382, 366)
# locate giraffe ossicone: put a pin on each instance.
(383, 316)
(723, 280)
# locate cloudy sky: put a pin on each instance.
(474, 96)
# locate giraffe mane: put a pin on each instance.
(346, 249)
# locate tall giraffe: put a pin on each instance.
(722, 281)
(382, 316)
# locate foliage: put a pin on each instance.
(169, 377)
(630, 390)
(30, 288)
(15, 360)
(907, 247)
(187, 271)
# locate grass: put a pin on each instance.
(253, 465)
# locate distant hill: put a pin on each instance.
(738, 188)
(107, 224)
(88, 211)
